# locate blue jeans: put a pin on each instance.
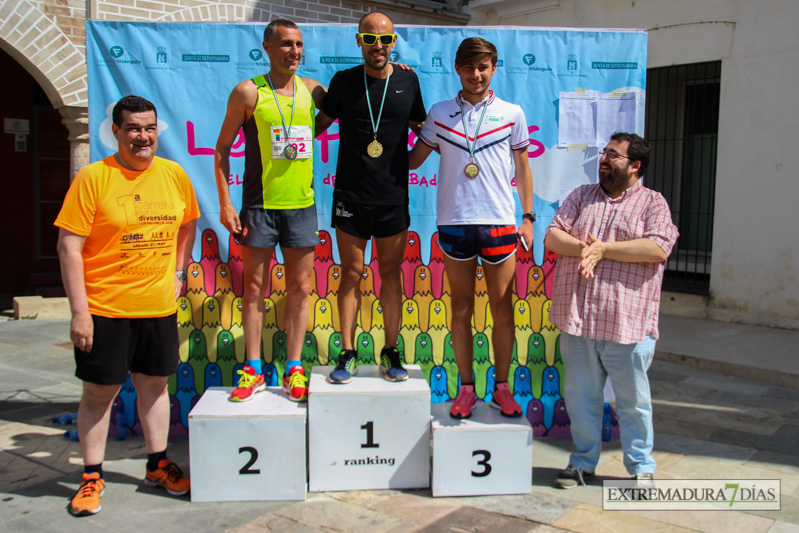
(588, 362)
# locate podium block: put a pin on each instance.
(485, 454)
(247, 451)
(369, 433)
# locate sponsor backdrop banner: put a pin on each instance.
(574, 86)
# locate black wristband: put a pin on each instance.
(529, 216)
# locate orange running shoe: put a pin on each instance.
(249, 384)
(168, 476)
(295, 384)
(87, 499)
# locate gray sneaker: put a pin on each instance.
(644, 481)
(572, 477)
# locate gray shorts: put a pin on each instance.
(290, 228)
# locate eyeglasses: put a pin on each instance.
(612, 154)
(370, 38)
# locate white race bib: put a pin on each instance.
(301, 138)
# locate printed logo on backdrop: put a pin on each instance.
(571, 68)
(529, 61)
(254, 58)
(117, 54)
(438, 61)
(340, 60)
(205, 58)
(161, 60)
(611, 65)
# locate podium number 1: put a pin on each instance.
(484, 463)
(253, 457)
(370, 436)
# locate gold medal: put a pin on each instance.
(471, 170)
(375, 149)
(290, 151)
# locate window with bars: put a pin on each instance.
(682, 117)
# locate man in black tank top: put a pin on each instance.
(375, 104)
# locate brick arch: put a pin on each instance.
(35, 41)
(220, 12)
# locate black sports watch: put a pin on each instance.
(529, 216)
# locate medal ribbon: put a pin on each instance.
(466, 131)
(369, 103)
(286, 131)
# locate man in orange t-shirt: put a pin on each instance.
(126, 231)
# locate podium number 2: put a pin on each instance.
(483, 462)
(370, 435)
(253, 457)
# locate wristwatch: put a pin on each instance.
(181, 275)
(529, 216)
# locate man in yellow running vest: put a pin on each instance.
(277, 113)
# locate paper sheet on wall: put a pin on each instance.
(577, 119)
(614, 113)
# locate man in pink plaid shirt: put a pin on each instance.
(613, 239)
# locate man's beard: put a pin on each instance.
(615, 181)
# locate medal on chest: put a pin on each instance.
(375, 149)
(471, 169)
(290, 151)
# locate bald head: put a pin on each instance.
(376, 22)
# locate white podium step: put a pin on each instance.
(484, 454)
(369, 433)
(247, 451)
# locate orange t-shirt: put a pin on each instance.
(130, 221)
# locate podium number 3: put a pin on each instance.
(253, 457)
(483, 462)
(370, 435)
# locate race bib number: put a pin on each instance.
(301, 138)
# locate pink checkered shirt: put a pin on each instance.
(621, 303)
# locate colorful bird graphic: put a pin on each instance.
(323, 260)
(548, 331)
(561, 423)
(521, 319)
(423, 294)
(536, 362)
(410, 328)
(437, 329)
(212, 326)
(481, 363)
(365, 347)
(413, 258)
(195, 292)
(368, 296)
(450, 365)
(424, 354)
(550, 394)
(225, 358)
(185, 327)
(186, 391)
(480, 300)
(235, 265)
(491, 382)
(535, 415)
(522, 387)
(224, 294)
(213, 376)
(334, 348)
(209, 259)
(198, 358)
(436, 266)
(309, 356)
(278, 294)
(333, 280)
(269, 330)
(374, 264)
(550, 258)
(378, 330)
(439, 386)
(524, 260)
(237, 328)
(323, 328)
